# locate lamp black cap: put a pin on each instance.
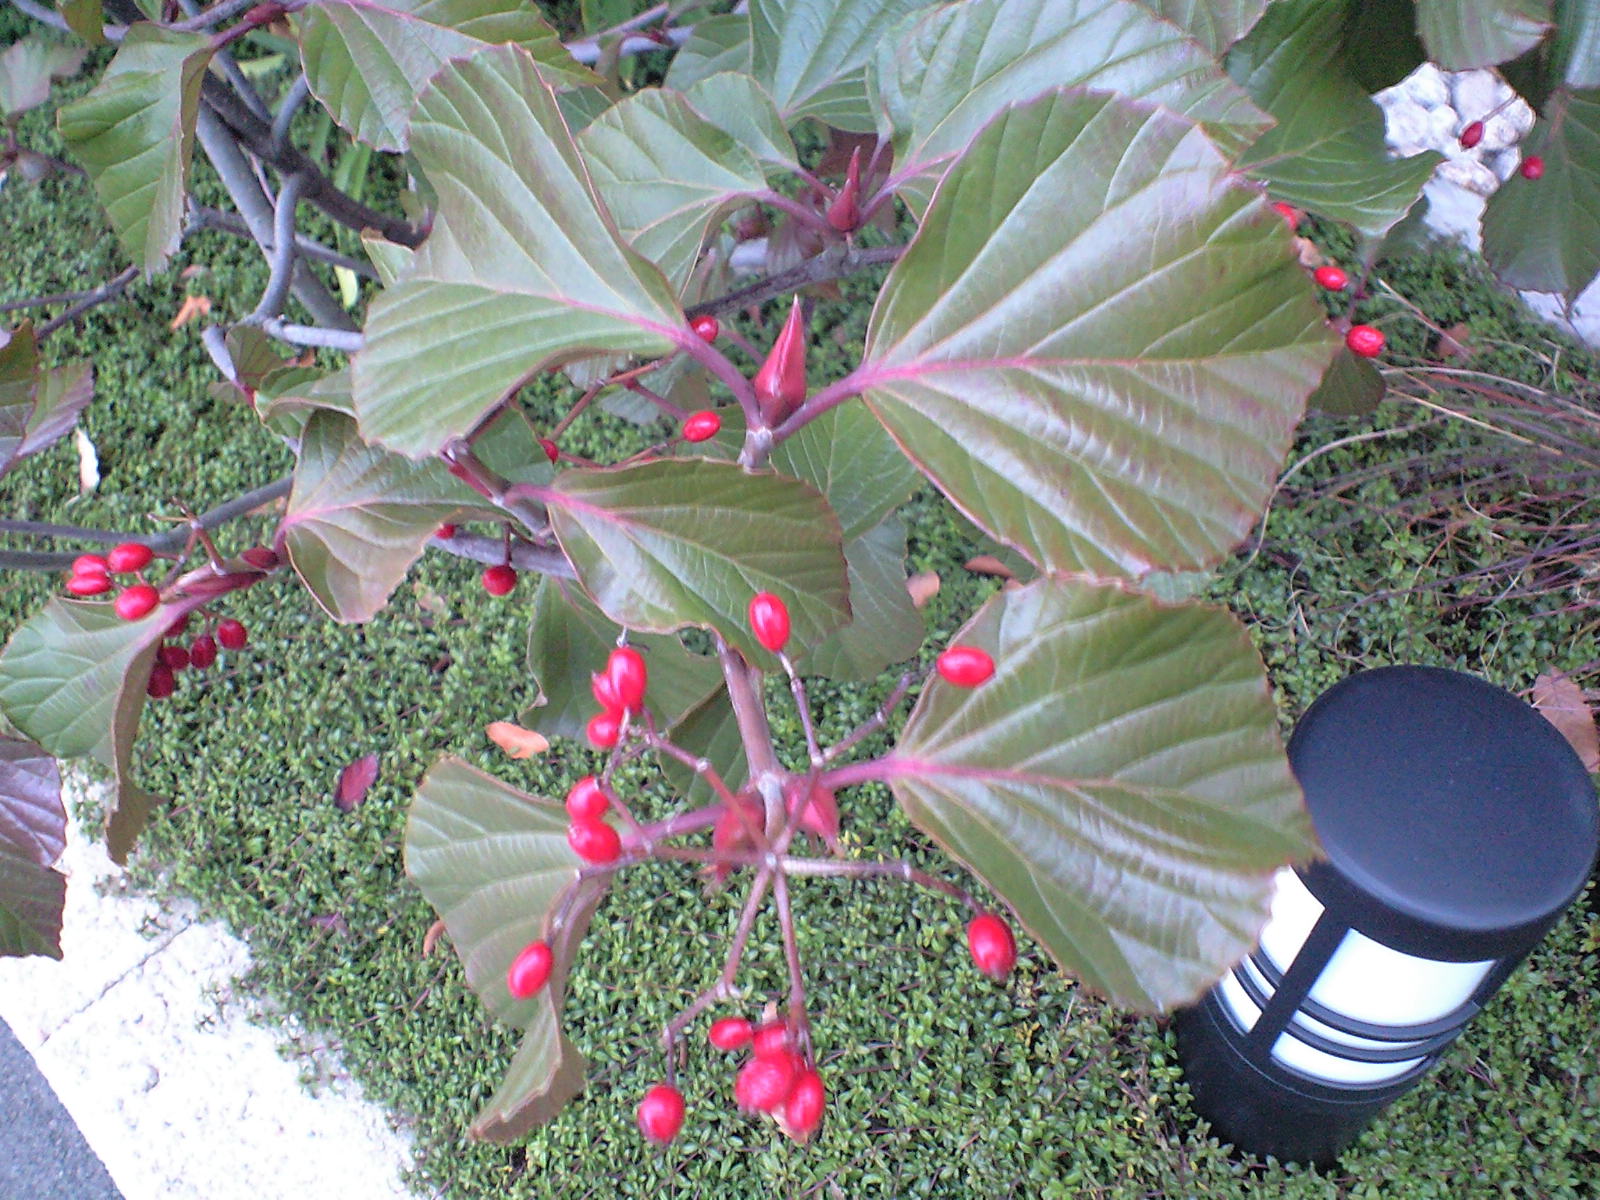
(1458, 823)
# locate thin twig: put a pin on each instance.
(283, 251)
(830, 265)
(347, 340)
(109, 289)
(231, 222)
(873, 723)
(216, 14)
(298, 91)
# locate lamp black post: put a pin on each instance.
(1459, 825)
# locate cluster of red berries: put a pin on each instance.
(174, 657)
(618, 690)
(91, 576)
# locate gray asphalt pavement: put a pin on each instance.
(42, 1154)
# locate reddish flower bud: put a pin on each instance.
(780, 384)
(844, 214)
(551, 450)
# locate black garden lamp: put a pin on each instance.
(1459, 825)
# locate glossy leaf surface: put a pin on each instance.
(1102, 411)
(1120, 782)
(1462, 34)
(32, 837)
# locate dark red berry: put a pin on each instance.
(628, 675)
(771, 1038)
(232, 634)
(260, 557)
(1472, 135)
(764, 1083)
(551, 450)
(179, 624)
(994, 949)
(202, 652)
(1289, 213)
(176, 657)
(445, 532)
(128, 558)
(1332, 278)
(965, 666)
(593, 840)
(1364, 340)
(661, 1113)
(769, 620)
(137, 601)
(604, 690)
(530, 970)
(705, 327)
(499, 579)
(161, 683)
(603, 730)
(1532, 167)
(701, 426)
(730, 1033)
(90, 584)
(587, 800)
(802, 1111)
(90, 564)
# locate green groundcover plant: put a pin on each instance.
(1096, 337)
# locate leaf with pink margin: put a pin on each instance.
(32, 837)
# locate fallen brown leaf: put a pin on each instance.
(354, 781)
(923, 586)
(517, 741)
(988, 564)
(431, 938)
(1561, 702)
(1452, 343)
(192, 307)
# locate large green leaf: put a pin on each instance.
(495, 863)
(33, 829)
(1544, 234)
(716, 44)
(523, 270)
(1575, 48)
(1215, 24)
(359, 516)
(26, 68)
(36, 407)
(569, 641)
(885, 627)
(1327, 152)
(847, 456)
(710, 731)
(72, 678)
(367, 62)
(1098, 344)
(134, 134)
(736, 104)
(1352, 387)
(665, 545)
(948, 73)
(1119, 782)
(1462, 34)
(812, 55)
(665, 174)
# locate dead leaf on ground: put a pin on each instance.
(1452, 345)
(431, 938)
(192, 307)
(988, 564)
(517, 741)
(354, 781)
(1561, 702)
(923, 586)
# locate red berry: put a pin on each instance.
(771, 1038)
(769, 619)
(764, 1083)
(551, 450)
(604, 690)
(965, 666)
(593, 840)
(587, 800)
(1364, 340)
(530, 970)
(802, 1112)
(260, 557)
(730, 1033)
(137, 601)
(90, 564)
(499, 579)
(1332, 278)
(1289, 213)
(445, 532)
(232, 634)
(661, 1113)
(603, 730)
(1532, 167)
(161, 683)
(628, 675)
(780, 384)
(202, 652)
(701, 426)
(128, 558)
(179, 624)
(176, 658)
(89, 584)
(994, 949)
(1472, 135)
(705, 327)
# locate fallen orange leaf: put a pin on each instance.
(517, 741)
(192, 307)
(1561, 702)
(923, 586)
(988, 564)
